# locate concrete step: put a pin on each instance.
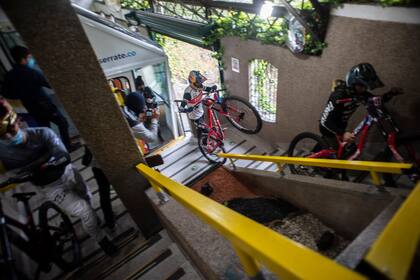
(139, 260)
(99, 264)
(190, 273)
(161, 267)
(95, 255)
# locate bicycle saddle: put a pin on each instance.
(24, 195)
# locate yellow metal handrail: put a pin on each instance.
(254, 243)
(371, 166)
(393, 251)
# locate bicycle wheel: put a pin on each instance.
(304, 145)
(408, 146)
(242, 115)
(209, 147)
(62, 240)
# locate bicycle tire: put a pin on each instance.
(252, 130)
(202, 145)
(292, 150)
(53, 235)
(402, 142)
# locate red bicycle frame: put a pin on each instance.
(362, 129)
(215, 131)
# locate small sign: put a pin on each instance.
(235, 65)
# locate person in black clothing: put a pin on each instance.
(104, 189)
(345, 99)
(135, 100)
(26, 83)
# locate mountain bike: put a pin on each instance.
(400, 147)
(239, 112)
(53, 240)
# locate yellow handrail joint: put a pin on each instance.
(393, 251)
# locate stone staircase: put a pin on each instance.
(138, 258)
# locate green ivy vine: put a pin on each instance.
(275, 32)
(135, 4)
(246, 26)
(262, 78)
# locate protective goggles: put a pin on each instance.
(8, 120)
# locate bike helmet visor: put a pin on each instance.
(196, 79)
(363, 74)
(8, 117)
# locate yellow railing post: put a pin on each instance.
(232, 163)
(280, 168)
(250, 266)
(163, 197)
(375, 178)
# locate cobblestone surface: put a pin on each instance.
(307, 229)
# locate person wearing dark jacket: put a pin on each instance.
(135, 100)
(104, 188)
(26, 83)
(346, 98)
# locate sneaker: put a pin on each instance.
(108, 246)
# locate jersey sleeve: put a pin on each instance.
(184, 104)
(329, 115)
(54, 145)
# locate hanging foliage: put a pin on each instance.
(135, 4)
(248, 26)
(275, 31)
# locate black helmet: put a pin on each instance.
(363, 74)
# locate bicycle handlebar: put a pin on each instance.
(15, 180)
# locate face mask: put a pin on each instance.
(31, 63)
(15, 140)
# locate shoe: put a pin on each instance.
(109, 248)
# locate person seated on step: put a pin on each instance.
(41, 154)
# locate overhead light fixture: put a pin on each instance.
(266, 10)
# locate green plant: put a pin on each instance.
(249, 26)
(135, 4)
(160, 39)
(262, 81)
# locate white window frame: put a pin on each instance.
(264, 101)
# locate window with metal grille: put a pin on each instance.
(263, 88)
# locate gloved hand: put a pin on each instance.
(214, 88)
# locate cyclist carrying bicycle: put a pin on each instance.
(345, 99)
(193, 95)
(39, 153)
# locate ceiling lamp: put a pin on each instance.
(266, 10)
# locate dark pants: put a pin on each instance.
(331, 140)
(104, 188)
(58, 119)
(329, 137)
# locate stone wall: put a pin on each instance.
(304, 82)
